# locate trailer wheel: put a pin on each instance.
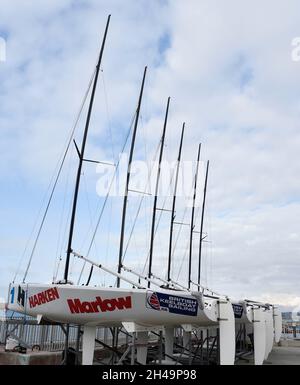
(36, 348)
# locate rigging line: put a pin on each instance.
(110, 132)
(181, 226)
(90, 212)
(128, 174)
(108, 118)
(134, 238)
(59, 247)
(159, 217)
(182, 260)
(107, 195)
(179, 231)
(58, 175)
(82, 151)
(57, 270)
(211, 250)
(144, 133)
(141, 201)
(108, 240)
(64, 237)
(91, 217)
(35, 224)
(28, 241)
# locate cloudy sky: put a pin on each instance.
(229, 71)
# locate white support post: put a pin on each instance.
(88, 344)
(259, 331)
(186, 341)
(142, 348)
(227, 333)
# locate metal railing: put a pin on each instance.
(47, 337)
(291, 330)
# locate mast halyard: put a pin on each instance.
(192, 218)
(173, 205)
(201, 225)
(81, 156)
(156, 192)
(128, 177)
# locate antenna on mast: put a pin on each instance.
(81, 156)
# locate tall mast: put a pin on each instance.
(201, 226)
(156, 191)
(128, 176)
(81, 155)
(173, 205)
(192, 218)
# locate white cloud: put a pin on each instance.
(229, 72)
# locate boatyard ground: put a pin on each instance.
(287, 353)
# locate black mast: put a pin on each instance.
(81, 156)
(128, 176)
(201, 226)
(156, 191)
(173, 205)
(192, 218)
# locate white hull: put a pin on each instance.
(142, 310)
(111, 306)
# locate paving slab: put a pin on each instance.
(281, 355)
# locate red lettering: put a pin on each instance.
(44, 297)
(109, 304)
(41, 298)
(96, 304)
(55, 293)
(31, 303)
(88, 308)
(49, 295)
(75, 306)
(122, 303)
(35, 300)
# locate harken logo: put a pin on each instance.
(43, 297)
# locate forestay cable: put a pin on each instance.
(58, 175)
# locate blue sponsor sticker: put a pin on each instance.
(237, 310)
(172, 303)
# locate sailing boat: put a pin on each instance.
(140, 308)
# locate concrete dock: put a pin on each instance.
(284, 355)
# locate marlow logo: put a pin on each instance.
(76, 306)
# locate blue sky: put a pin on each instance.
(227, 67)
